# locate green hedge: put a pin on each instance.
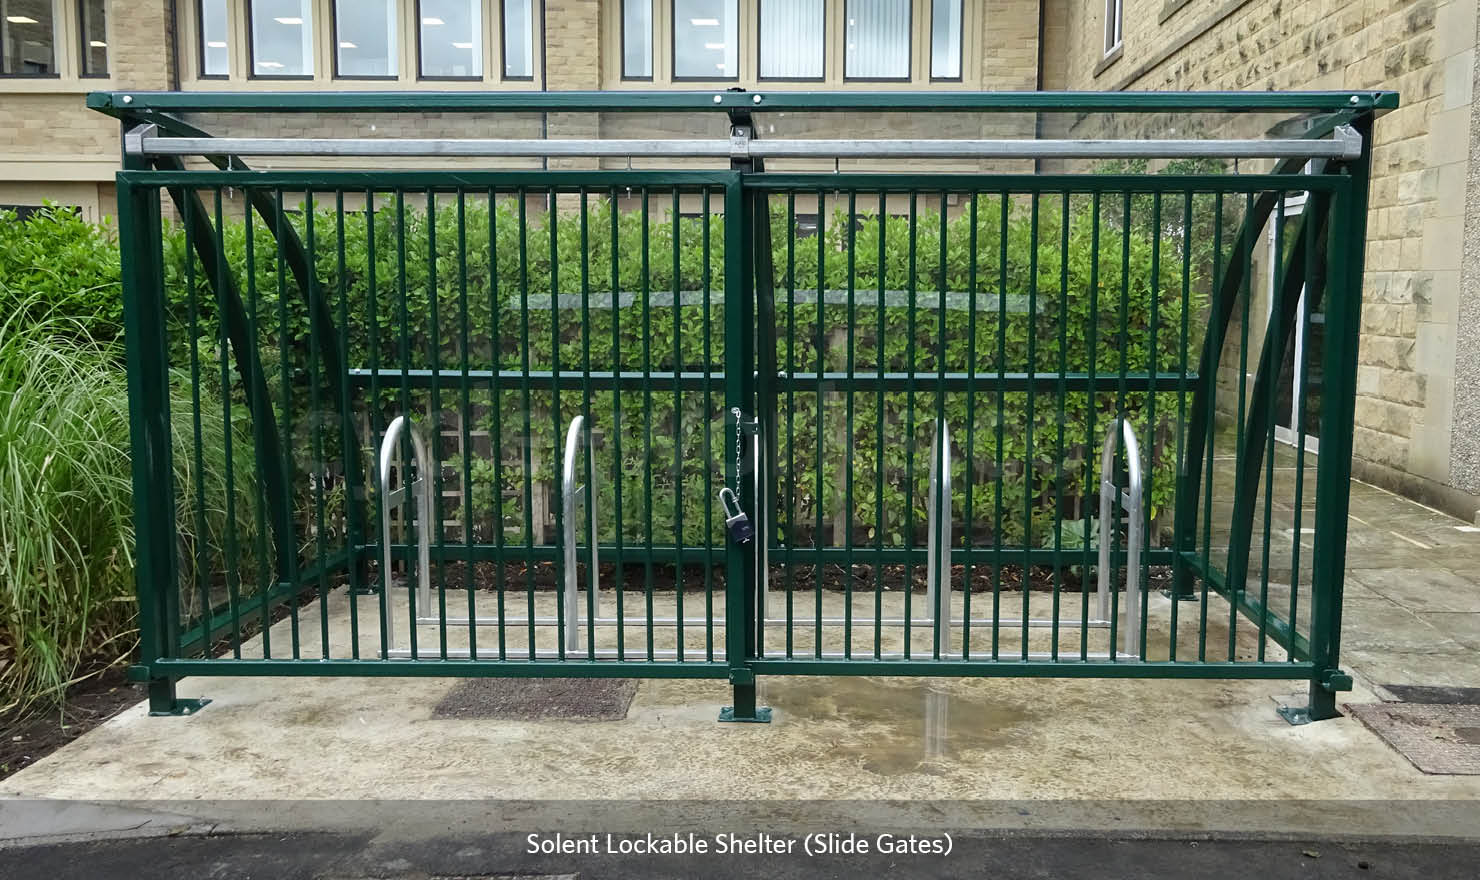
(1104, 325)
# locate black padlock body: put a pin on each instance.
(741, 531)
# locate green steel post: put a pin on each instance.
(740, 560)
(147, 357)
(1333, 474)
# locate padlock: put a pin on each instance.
(737, 521)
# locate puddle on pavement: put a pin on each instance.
(896, 726)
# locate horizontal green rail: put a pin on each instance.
(1030, 184)
(601, 380)
(607, 552)
(1065, 667)
(432, 667)
(723, 100)
(381, 181)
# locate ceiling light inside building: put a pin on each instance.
(216, 44)
(714, 45)
(432, 21)
(271, 65)
(20, 19)
(704, 22)
(346, 44)
(462, 45)
(289, 20)
(97, 44)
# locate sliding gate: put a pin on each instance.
(723, 405)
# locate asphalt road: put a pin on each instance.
(504, 855)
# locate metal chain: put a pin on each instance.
(739, 441)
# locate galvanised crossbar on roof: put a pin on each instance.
(130, 103)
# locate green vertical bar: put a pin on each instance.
(705, 282)
(527, 439)
(910, 366)
(1211, 383)
(847, 450)
(403, 358)
(647, 415)
(1061, 405)
(434, 423)
(997, 512)
(201, 562)
(968, 551)
(817, 536)
(592, 533)
(496, 441)
(1184, 306)
(739, 359)
(233, 558)
(465, 384)
(618, 468)
(1237, 587)
(256, 403)
(285, 368)
(791, 442)
(1029, 462)
(1274, 334)
(557, 451)
(880, 522)
(1133, 566)
(372, 295)
(1091, 448)
(347, 443)
(678, 365)
(942, 499)
(316, 436)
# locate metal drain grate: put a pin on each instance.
(535, 699)
(1439, 738)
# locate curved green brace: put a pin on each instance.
(320, 324)
(1271, 359)
(265, 439)
(321, 321)
(1225, 298)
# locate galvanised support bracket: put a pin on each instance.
(1334, 681)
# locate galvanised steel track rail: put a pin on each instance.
(123, 104)
(143, 141)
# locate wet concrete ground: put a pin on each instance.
(1010, 753)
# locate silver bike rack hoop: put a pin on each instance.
(1131, 501)
(394, 499)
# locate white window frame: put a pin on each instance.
(1114, 26)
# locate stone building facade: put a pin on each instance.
(1418, 415)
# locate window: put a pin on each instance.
(877, 40)
(28, 38)
(451, 39)
(214, 60)
(518, 39)
(365, 38)
(92, 19)
(706, 39)
(791, 38)
(945, 39)
(1114, 23)
(281, 37)
(637, 39)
